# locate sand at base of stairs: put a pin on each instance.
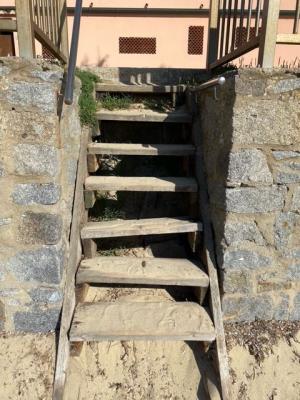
(141, 371)
(276, 378)
(26, 366)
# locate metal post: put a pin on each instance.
(73, 53)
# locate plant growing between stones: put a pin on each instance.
(87, 102)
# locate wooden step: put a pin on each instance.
(143, 271)
(137, 227)
(132, 149)
(141, 184)
(142, 115)
(141, 321)
(136, 88)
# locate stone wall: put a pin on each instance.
(39, 139)
(251, 142)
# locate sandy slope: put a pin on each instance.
(136, 371)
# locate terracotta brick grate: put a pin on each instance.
(137, 45)
(195, 41)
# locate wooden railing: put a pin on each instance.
(292, 38)
(239, 26)
(42, 20)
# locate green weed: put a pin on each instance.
(87, 103)
(113, 102)
(117, 251)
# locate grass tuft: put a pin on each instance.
(87, 103)
(117, 251)
(113, 102)
(109, 214)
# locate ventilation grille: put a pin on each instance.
(137, 45)
(46, 54)
(196, 37)
(241, 35)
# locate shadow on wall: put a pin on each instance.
(216, 114)
(215, 138)
(150, 76)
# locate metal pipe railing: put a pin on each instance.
(220, 81)
(69, 90)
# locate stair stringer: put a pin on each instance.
(210, 259)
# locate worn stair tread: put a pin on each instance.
(143, 271)
(144, 115)
(137, 227)
(141, 183)
(139, 88)
(141, 149)
(141, 321)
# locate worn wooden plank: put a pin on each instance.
(211, 263)
(81, 292)
(141, 184)
(213, 33)
(268, 35)
(135, 88)
(141, 149)
(141, 321)
(79, 215)
(63, 41)
(25, 29)
(47, 42)
(288, 38)
(134, 115)
(93, 164)
(8, 25)
(136, 227)
(89, 248)
(147, 271)
(244, 48)
(89, 199)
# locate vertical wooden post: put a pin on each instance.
(268, 39)
(25, 29)
(213, 34)
(63, 28)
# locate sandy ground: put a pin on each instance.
(142, 370)
(26, 366)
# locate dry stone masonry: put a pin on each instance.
(251, 141)
(39, 139)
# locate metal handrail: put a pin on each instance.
(69, 90)
(220, 81)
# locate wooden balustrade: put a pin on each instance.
(42, 20)
(239, 26)
(235, 28)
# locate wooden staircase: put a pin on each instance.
(151, 320)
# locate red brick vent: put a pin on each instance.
(46, 54)
(137, 45)
(196, 38)
(241, 35)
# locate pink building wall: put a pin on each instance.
(99, 38)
